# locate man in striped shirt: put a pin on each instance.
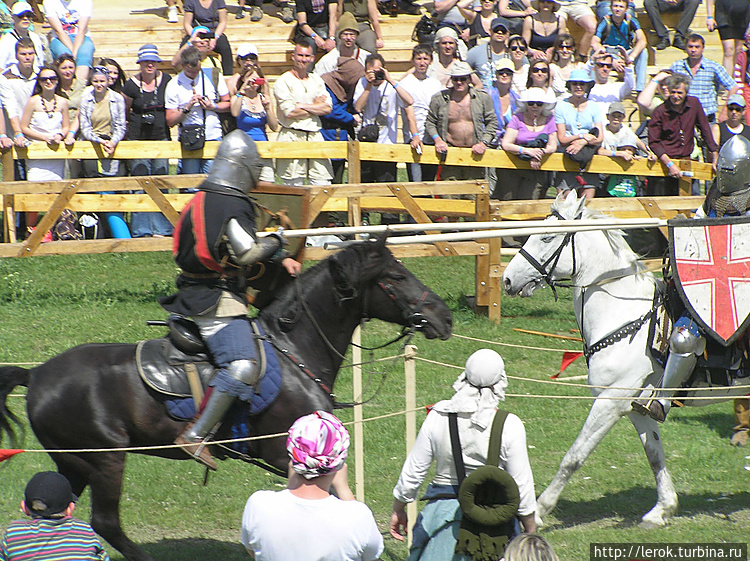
(52, 534)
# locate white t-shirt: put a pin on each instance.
(421, 92)
(625, 136)
(180, 90)
(8, 51)
(278, 526)
(387, 117)
(69, 12)
(329, 61)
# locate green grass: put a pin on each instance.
(48, 304)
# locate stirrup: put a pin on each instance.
(198, 451)
(650, 407)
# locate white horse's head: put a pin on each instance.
(545, 258)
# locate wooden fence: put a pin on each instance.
(415, 199)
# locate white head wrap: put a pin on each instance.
(479, 388)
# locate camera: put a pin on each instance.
(612, 50)
(380, 75)
(148, 118)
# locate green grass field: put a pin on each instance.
(49, 304)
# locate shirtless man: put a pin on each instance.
(460, 116)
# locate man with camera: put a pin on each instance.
(378, 97)
(192, 102)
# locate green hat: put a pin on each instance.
(347, 22)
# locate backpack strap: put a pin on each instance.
(496, 437)
(458, 458)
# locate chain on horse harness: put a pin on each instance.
(554, 258)
(414, 317)
(630, 328)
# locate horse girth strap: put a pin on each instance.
(493, 450)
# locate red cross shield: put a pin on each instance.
(711, 264)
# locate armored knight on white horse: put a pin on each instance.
(616, 301)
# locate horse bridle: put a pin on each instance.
(543, 269)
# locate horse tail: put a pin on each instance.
(10, 377)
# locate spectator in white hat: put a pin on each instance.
(247, 59)
(532, 136)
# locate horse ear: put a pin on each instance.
(581, 206)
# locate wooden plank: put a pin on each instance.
(419, 215)
(102, 203)
(426, 188)
(48, 220)
(116, 184)
(153, 186)
(84, 247)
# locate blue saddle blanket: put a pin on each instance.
(267, 390)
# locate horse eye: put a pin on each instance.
(398, 276)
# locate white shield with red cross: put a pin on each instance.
(711, 264)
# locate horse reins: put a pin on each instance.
(542, 269)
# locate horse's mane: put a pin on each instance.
(616, 238)
(350, 259)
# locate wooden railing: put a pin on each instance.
(415, 199)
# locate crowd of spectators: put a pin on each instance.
(498, 75)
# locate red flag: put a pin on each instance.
(569, 358)
(5, 453)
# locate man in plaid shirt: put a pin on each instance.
(707, 76)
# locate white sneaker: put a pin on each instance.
(172, 14)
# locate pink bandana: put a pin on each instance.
(317, 444)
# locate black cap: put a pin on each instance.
(500, 21)
(48, 493)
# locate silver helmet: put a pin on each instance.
(237, 164)
(733, 165)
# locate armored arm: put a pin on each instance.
(247, 249)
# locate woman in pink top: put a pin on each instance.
(531, 135)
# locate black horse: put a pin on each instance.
(113, 408)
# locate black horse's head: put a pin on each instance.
(368, 273)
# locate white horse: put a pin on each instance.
(613, 299)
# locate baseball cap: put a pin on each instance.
(460, 68)
(148, 53)
(504, 64)
(736, 99)
(21, 8)
(317, 444)
(246, 49)
(48, 493)
(500, 22)
(616, 107)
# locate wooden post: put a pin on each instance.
(359, 449)
(410, 398)
(9, 216)
(482, 262)
(354, 166)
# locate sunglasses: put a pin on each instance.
(499, 30)
(735, 108)
(505, 72)
(574, 84)
(460, 78)
(604, 64)
(534, 103)
(566, 47)
(26, 15)
(517, 48)
(541, 69)
(248, 56)
(48, 79)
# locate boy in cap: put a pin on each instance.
(305, 522)
(52, 534)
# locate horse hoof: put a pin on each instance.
(651, 524)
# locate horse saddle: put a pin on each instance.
(178, 366)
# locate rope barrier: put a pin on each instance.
(515, 346)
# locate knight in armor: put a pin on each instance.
(215, 242)
(728, 195)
